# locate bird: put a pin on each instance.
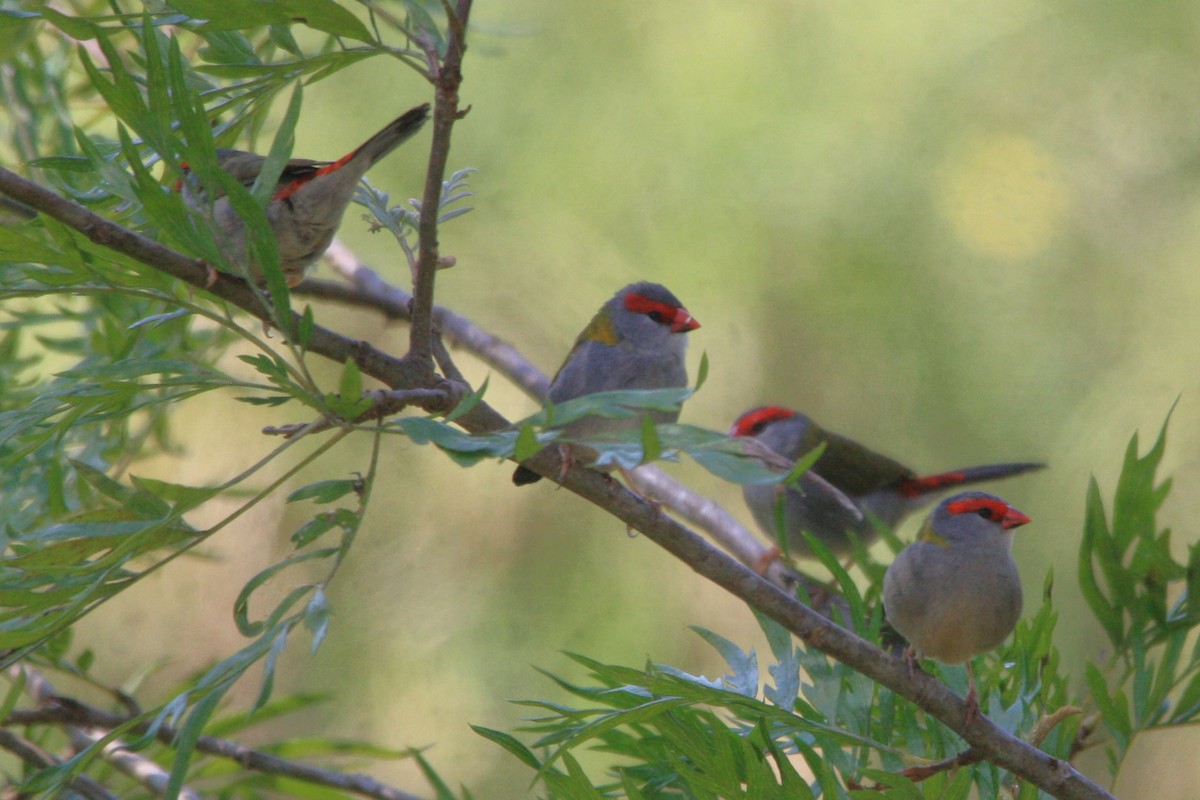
(884, 490)
(955, 593)
(307, 205)
(635, 341)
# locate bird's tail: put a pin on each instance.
(926, 484)
(396, 133)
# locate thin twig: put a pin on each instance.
(147, 773)
(367, 288)
(445, 113)
(31, 754)
(71, 712)
(150, 775)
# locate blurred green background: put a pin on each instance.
(958, 233)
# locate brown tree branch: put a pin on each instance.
(365, 288)
(1054, 776)
(446, 80)
(195, 272)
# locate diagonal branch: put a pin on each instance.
(1054, 776)
(367, 289)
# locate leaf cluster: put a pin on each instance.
(819, 729)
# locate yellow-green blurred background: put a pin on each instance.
(958, 232)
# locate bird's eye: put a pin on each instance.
(658, 317)
(986, 512)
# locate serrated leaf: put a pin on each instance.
(1113, 709)
(744, 679)
(1095, 528)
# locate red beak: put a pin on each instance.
(683, 322)
(1014, 519)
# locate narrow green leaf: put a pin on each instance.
(220, 15)
(1113, 709)
(651, 446)
(442, 790)
(351, 385)
(278, 645)
(702, 370)
(468, 403)
(527, 444)
(326, 491)
(306, 329)
(241, 606)
(14, 693)
(75, 27)
(327, 16)
(509, 743)
(187, 736)
(421, 23)
(1095, 527)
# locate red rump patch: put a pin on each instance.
(296, 185)
(915, 487)
(752, 422)
(663, 313)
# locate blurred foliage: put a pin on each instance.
(101, 351)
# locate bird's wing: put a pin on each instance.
(851, 467)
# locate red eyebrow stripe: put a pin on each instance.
(676, 317)
(748, 421)
(998, 508)
(640, 304)
(1002, 513)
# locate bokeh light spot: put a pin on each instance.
(1004, 196)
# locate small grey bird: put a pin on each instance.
(955, 593)
(633, 342)
(882, 488)
(308, 203)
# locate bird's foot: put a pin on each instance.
(910, 659)
(212, 274)
(972, 701)
(972, 698)
(564, 469)
(631, 485)
(763, 562)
